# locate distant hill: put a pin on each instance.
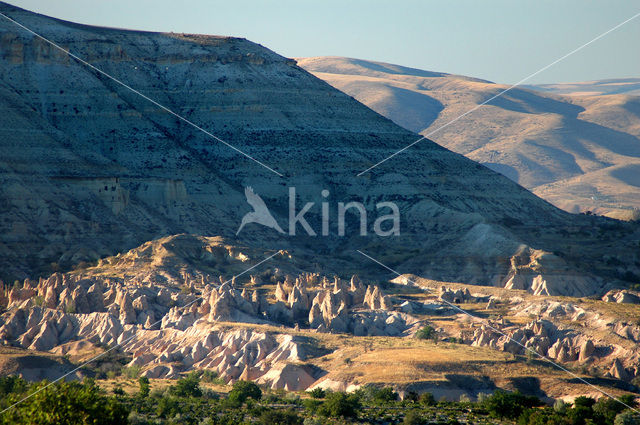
(629, 86)
(575, 145)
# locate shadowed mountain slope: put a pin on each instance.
(89, 169)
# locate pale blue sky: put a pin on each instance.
(498, 40)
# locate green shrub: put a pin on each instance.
(427, 332)
(606, 409)
(167, 407)
(626, 418)
(132, 372)
(385, 395)
(339, 404)
(66, 403)
(188, 386)
(427, 399)
(211, 376)
(317, 393)
(414, 417)
(509, 405)
(280, 417)
(145, 387)
(12, 384)
(242, 390)
(559, 406)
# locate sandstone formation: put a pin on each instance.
(168, 321)
(622, 296)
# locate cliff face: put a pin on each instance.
(89, 169)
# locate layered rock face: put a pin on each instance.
(90, 168)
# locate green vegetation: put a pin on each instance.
(243, 390)
(61, 403)
(340, 405)
(427, 332)
(188, 402)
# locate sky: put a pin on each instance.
(498, 40)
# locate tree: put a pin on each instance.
(509, 405)
(12, 384)
(340, 404)
(145, 387)
(317, 393)
(626, 418)
(188, 386)
(66, 403)
(606, 409)
(385, 395)
(427, 399)
(560, 406)
(242, 390)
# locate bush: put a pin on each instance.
(339, 404)
(560, 406)
(280, 417)
(427, 399)
(317, 393)
(132, 372)
(242, 390)
(145, 387)
(167, 407)
(626, 418)
(583, 401)
(427, 332)
(411, 397)
(211, 376)
(509, 405)
(371, 393)
(413, 417)
(12, 384)
(385, 395)
(188, 386)
(65, 403)
(311, 404)
(606, 409)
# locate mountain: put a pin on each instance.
(133, 235)
(628, 86)
(90, 169)
(575, 145)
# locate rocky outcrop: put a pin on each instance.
(375, 300)
(623, 296)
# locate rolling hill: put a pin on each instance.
(575, 145)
